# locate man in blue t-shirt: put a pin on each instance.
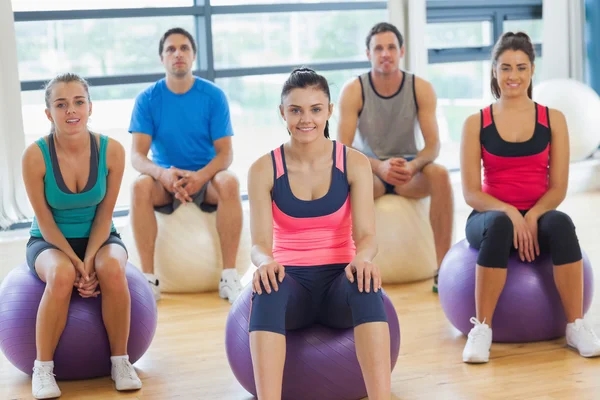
(185, 121)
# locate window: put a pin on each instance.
(249, 2)
(250, 40)
(533, 27)
(111, 113)
(462, 89)
(98, 47)
(460, 37)
(254, 105)
(445, 35)
(247, 49)
(45, 5)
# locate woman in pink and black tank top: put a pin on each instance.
(524, 148)
(313, 236)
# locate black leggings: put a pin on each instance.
(491, 232)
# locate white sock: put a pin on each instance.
(38, 364)
(150, 277)
(114, 359)
(229, 272)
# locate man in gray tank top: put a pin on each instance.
(386, 114)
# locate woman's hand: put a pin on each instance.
(522, 236)
(531, 219)
(89, 288)
(365, 272)
(266, 274)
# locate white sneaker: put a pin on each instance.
(230, 286)
(153, 281)
(43, 384)
(124, 375)
(581, 337)
(477, 349)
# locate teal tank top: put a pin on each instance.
(73, 213)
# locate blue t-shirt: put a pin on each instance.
(183, 126)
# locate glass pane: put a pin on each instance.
(45, 5)
(97, 47)
(244, 2)
(254, 104)
(462, 89)
(112, 107)
(291, 38)
(532, 27)
(443, 35)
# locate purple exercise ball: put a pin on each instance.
(83, 351)
(320, 362)
(529, 308)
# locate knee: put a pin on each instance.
(499, 225)
(60, 282)
(227, 185)
(141, 189)
(111, 274)
(557, 222)
(437, 175)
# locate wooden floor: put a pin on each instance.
(187, 358)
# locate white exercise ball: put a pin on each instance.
(581, 106)
(187, 256)
(405, 239)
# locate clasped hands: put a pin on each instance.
(182, 183)
(396, 171)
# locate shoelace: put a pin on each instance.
(478, 331)
(46, 376)
(125, 370)
(580, 324)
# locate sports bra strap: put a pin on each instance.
(542, 115)
(278, 162)
(487, 117)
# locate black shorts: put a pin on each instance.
(36, 245)
(197, 198)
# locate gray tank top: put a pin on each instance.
(388, 126)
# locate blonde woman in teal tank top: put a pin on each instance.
(72, 177)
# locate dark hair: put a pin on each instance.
(175, 31)
(511, 41)
(384, 27)
(305, 77)
(64, 78)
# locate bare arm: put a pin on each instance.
(360, 179)
(427, 103)
(260, 183)
(115, 162)
(34, 170)
(470, 168)
(350, 105)
(140, 146)
(559, 166)
(222, 159)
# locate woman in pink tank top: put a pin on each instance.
(313, 236)
(524, 148)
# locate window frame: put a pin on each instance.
(495, 11)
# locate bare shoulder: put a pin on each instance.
(356, 161)
(115, 152)
(261, 170)
(472, 124)
(351, 91)
(556, 117)
(33, 159)
(422, 84)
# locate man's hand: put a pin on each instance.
(395, 171)
(170, 179)
(190, 184)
